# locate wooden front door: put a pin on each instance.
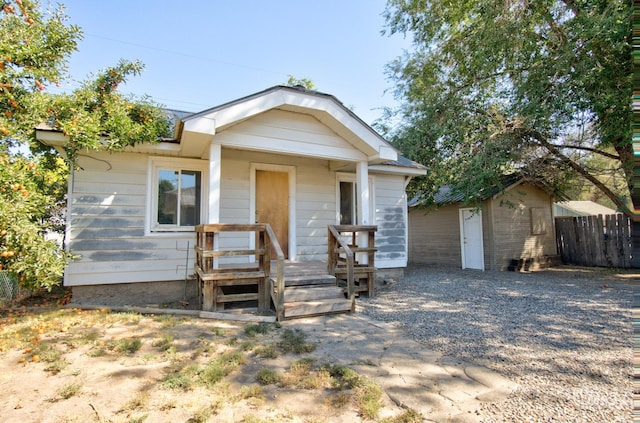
(272, 205)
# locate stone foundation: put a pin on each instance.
(156, 294)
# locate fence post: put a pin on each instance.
(635, 245)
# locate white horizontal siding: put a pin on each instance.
(316, 209)
(107, 226)
(289, 133)
(108, 210)
(390, 217)
(234, 192)
(108, 200)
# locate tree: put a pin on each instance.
(307, 83)
(501, 86)
(34, 47)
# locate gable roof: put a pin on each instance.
(324, 107)
(194, 131)
(583, 208)
(445, 194)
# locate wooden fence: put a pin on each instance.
(603, 241)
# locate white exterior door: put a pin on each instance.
(471, 239)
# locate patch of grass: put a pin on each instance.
(148, 357)
(124, 317)
(177, 380)
(343, 376)
(297, 371)
(251, 391)
(67, 391)
(202, 415)
(302, 375)
(165, 343)
(368, 399)
(47, 353)
(169, 320)
(138, 402)
(209, 375)
(367, 395)
(267, 376)
(302, 366)
(220, 366)
(267, 351)
(315, 380)
(339, 400)
(202, 346)
(219, 331)
(56, 366)
(128, 345)
(96, 352)
(138, 419)
(252, 330)
(89, 337)
(294, 342)
(247, 346)
(408, 416)
(180, 377)
(250, 418)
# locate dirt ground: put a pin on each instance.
(62, 364)
(69, 365)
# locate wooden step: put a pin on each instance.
(356, 269)
(306, 280)
(310, 308)
(312, 293)
(220, 275)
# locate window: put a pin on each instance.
(347, 200)
(177, 195)
(348, 203)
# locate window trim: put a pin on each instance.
(155, 164)
(350, 177)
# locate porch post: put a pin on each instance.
(215, 158)
(362, 184)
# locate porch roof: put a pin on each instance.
(199, 128)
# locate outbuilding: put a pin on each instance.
(512, 227)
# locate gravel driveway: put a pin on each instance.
(564, 335)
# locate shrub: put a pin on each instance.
(267, 376)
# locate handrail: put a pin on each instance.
(263, 252)
(278, 290)
(335, 235)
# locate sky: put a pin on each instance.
(199, 54)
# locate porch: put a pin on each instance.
(259, 280)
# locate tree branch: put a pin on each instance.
(590, 149)
(583, 172)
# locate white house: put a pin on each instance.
(285, 154)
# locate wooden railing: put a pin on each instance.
(343, 257)
(214, 274)
(278, 289)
